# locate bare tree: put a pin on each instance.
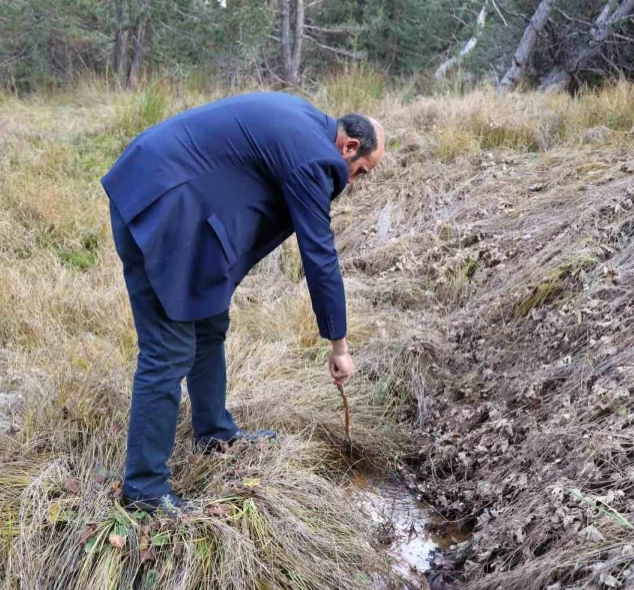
(292, 48)
(526, 47)
(138, 40)
(285, 17)
(299, 37)
(613, 13)
(469, 46)
(120, 43)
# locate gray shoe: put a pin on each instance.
(215, 445)
(170, 504)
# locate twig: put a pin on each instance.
(336, 30)
(506, 24)
(333, 49)
(346, 413)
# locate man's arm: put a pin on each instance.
(308, 193)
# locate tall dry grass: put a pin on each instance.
(464, 124)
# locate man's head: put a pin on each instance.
(361, 142)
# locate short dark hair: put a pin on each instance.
(359, 127)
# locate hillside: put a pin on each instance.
(487, 266)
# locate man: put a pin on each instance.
(195, 202)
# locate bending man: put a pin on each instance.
(195, 202)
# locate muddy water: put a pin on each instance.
(405, 526)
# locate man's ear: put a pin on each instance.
(351, 147)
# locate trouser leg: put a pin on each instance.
(207, 381)
(166, 354)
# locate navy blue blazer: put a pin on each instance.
(210, 192)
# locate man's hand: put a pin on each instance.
(340, 362)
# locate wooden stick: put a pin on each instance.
(346, 411)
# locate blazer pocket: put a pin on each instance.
(223, 237)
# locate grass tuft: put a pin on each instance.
(355, 88)
(143, 109)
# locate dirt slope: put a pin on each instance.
(505, 283)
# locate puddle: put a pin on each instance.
(404, 526)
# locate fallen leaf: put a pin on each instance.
(87, 533)
(592, 533)
(117, 541)
(610, 581)
(117, 489)
(148, 555)
(219, 510)
(98, 478)
(57, 513)
(178, 548)
(519, 535)
(158, 524)
(144, 540)
(71, 485)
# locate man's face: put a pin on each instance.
(349, 148)
(359, 167)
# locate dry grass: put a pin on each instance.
(511, 262)
(494, 224)
(68, 349)
(455, 126)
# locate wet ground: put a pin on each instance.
(409, 529)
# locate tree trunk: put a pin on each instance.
(285, 15)
(69, 60)
(556, 80)
(526, 47)
(139, 43)
(120, 44)
(611, 15)
(299, 37)
(469, 46)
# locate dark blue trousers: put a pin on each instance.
(168, 352)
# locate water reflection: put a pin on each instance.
(401, 524)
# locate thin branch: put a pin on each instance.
(335, 30)
(461, 21)
(333, 49)
(572, 19)
(499, 13)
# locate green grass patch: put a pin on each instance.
(82, 257)
(143, 109)
(356, 88)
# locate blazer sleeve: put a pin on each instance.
(308, 192)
